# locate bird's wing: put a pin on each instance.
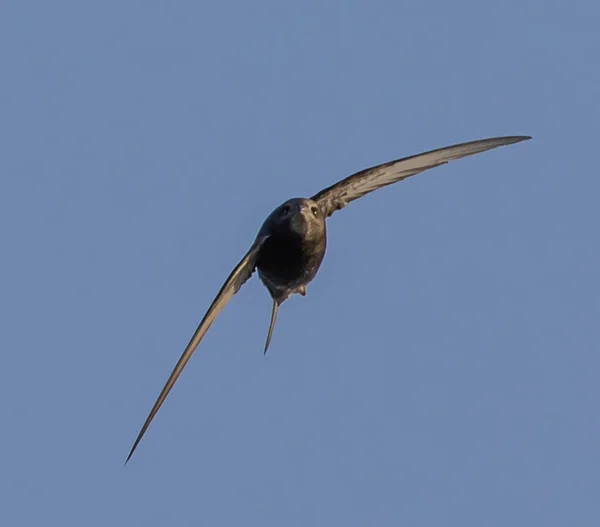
(236, 279)
(337, 196)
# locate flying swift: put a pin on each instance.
(291, 243)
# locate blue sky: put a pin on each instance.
(443, 369)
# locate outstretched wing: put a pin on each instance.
(236, 279)
(337, 196)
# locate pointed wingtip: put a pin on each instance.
(129, 457)
(267, 344)
(135, 445)
(512, 139)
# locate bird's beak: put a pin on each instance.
(299, 222)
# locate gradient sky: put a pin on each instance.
(443, 369)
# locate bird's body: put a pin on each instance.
(292, 255)
(290, 245)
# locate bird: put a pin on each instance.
(290, 245)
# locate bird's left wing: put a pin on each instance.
(236, 279)
(337, 196)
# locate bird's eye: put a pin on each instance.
(286, 210)
(315, 210)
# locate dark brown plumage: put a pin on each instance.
(291, 243)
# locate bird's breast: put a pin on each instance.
(289, 261)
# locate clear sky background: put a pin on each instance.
(443, 369)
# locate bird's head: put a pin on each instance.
(299, 216)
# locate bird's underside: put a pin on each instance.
(288, 261)
(291, 243)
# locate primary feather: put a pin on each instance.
(337, 196)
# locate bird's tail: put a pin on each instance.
(272, 324)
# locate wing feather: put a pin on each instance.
(337, 196)
(234, 282)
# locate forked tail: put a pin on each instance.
(272, 324)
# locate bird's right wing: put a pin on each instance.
(338, 195)
(236, 279)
